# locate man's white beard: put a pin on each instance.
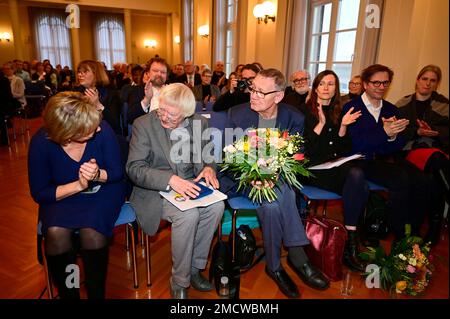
(301, 90)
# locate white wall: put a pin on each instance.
(414, 33)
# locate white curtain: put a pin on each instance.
(109, 39)
(52, 36)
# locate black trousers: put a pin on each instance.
(409, 191)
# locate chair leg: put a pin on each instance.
(142, 237)
(7, 131)
(148, 259)
(47, 275)
(233, 234)
(133, 256)
(127, 238)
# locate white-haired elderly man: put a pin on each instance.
(296, 94)
(154, 165)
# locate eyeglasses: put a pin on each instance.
(260, 94)
(356, 83)
(378, 83)
(297, 81)
(173, 118)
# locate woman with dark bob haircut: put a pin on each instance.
(76, 176)
(327, 139)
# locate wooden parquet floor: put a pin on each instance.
(22, 277)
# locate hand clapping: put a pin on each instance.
(425, 129)
(392, 126)
(89, 170)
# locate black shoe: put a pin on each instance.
(351, 252)
(310, 275)
(200, 283)
(284, 282)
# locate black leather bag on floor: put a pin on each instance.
(245, 246)
(221, 265)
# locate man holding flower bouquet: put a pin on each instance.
(277, 212)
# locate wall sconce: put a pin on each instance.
(150, 43)
(264, 12)
(203, 31)
(176, 39)
(5, 36)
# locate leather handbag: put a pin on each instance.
(327, 242)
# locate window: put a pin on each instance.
(333, 33)
(188, 29)
(225, 32)
(52, 37)
(110, 40)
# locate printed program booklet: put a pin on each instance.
(179, 202)
(337, 162)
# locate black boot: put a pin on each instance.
(434, 229)
(95, 268)
(57, 270)
(350, 257)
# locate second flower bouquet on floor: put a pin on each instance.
(262, 159)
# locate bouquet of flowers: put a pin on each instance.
(261, 158)
(407, 269)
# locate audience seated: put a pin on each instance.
(427, 137)
(190, 77)
(94, 83)
(327, 139)
(238, 92)
(219, 77)
(206, 92)
(280, 221)
(77, 180)
(297, 94)
(376, 134)
(355, 89)
(146, 98)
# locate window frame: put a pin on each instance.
(111, 51)
(332, 37)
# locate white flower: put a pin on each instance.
(229, 149)
(402, 257)
(412, 261)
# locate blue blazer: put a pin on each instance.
(368, 136)
(288, 118)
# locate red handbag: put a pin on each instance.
(327, 242)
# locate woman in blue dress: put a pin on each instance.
(76, 176)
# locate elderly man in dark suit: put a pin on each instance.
(155, 164)
(280, 221)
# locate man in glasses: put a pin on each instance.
(355, 89)
(238, 92)
(377, 135)
(296, 94)
(280, 221)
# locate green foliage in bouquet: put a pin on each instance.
(264, 156)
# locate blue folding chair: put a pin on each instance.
(313, 193)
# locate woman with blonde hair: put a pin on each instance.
(76, 176)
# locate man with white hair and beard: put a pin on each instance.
(157, 75)
(296, 94)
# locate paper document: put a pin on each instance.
(337, 162)
(178, 201)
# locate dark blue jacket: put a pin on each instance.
(368, 136)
